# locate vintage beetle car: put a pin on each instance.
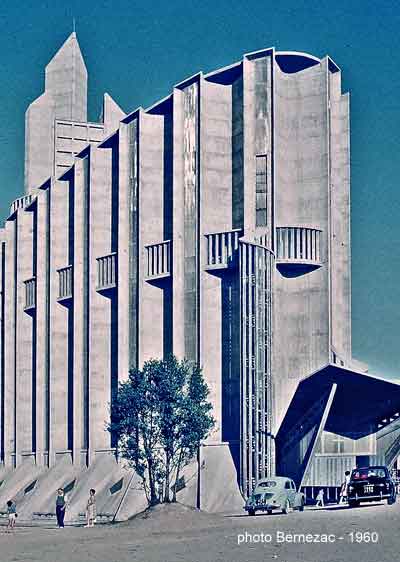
(276, 492)
(372, 483)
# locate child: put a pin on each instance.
(12, 514)
(91, 509)
(320, 498)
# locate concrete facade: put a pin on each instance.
(214, 225)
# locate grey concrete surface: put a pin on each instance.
(175, 533)
(65, 97)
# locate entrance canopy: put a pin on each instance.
(362, 403)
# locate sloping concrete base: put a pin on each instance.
(134, 500)
(119, 493)
(119, 490)
(42, 499)
(219, 488)
(16, 481)
(116, 495)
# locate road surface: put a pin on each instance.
(174, 533)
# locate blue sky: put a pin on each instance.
(137, 51)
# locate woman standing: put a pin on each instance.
(91, 509)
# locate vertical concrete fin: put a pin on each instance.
(112, 114)
(39, 140)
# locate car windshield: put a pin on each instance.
(363, 473)
(267, 484)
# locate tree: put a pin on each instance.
(160, 416)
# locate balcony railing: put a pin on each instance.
(222, 249)
(30, 294)
(107, 272)
(158, 260)
(20, 203)
(65, 283)
(298, 245)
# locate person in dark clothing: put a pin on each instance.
(60, 508)
(12, 514)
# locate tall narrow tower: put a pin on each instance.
(65, 97)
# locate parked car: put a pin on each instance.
(276, 492)
(372, 483)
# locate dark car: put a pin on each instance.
(372, 483)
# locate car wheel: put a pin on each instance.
(251, 512)
(301, 507)
(285, 507)
(269, 511)
(353, 503)
(391, 500)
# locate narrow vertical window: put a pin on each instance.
(261, 190)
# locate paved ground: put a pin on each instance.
(175, 533)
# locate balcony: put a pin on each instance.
(20, 203)
(107, 273)
(158, 260)
(298, 246)
(222, 249)
(65, 284)
(30, 295)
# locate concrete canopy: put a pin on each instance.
(361, 402)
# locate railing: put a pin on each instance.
(107, 272)
(20, 203)
(30, 294)
(65, 283)
(222, 247)
(298, 244)
(158, 260)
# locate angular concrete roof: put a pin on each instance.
(360, 404)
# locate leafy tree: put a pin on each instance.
(160, 417)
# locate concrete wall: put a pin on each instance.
(100, 325)
(81, 360)
(178, 227)
(3, 239)
(124, 189)
(25, 371)
(10, 405)
(215, 216)
(301, 301)
(59, 379)
(42, 225)
(39, 141)
(340, 218)
(151, 231)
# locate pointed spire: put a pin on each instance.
(66, 81)
(65, 97)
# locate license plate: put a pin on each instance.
(368, 489)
